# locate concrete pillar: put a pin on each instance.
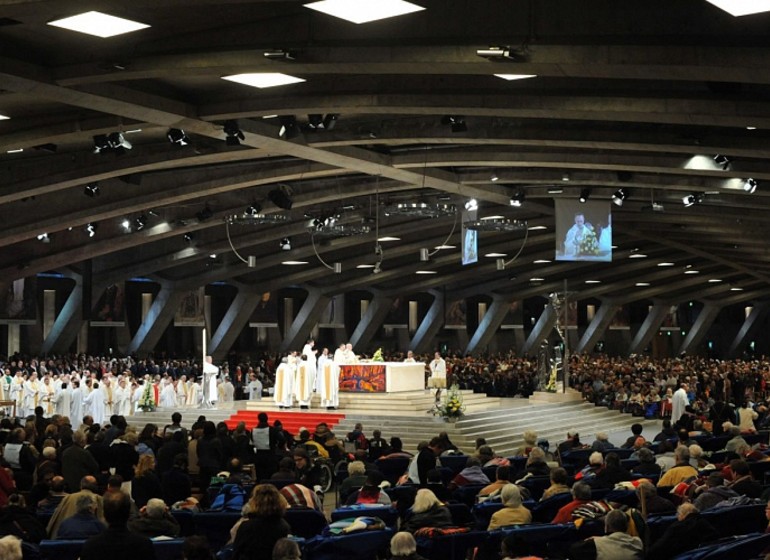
(598, 325)
(371, 321)
(14, 338)
(545, 323)
(233, 322)
(649, 328)
(430, 326)
(158, 317)
(299, 330)
(68, 322)
(749, 327)
(488, 326)
(703, 323)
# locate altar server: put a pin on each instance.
(303, 382)
(284, 385)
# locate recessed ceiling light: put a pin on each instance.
(294, 263)
(98, 24)
(637, 256)
(389, 238)
(495, 255)
(213, 256)
(692, 271)
(751, 128)
(511, 77)
(364, 11)
(440, 247)
(593, 281)
(642, 284)
(613, 247)
(736, 289)
(714, 280)
(264, 79)
(492, 218)
(536, 279)
(742, 7)
(666, 264)
(15, 151)
(365, 266)
(535, 228)
(541, 261)
(425, 272)
(4, 118)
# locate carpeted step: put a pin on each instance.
(292, 421)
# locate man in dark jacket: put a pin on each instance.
(77, 462)
(154, 520)
(714, 493)
(689, 531)
(117, 542)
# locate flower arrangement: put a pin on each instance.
(378, 356)
(147, 400)
(551, 386)
(588, 245)
(452, 406)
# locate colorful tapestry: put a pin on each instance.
(362, 378)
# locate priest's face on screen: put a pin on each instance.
(580, 220)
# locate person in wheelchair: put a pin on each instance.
(334, 447)
(312, 470)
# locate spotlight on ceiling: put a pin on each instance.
(281, 198)
(280, 54)
(619, 196)
(285, 244)
(118, 143)
(91, 190)
(177, 136)
(289, 128)
(43, 237)
(233, 133)
(318, 121)
(424, 255)
(204, 214)
(472, 205)
(126, 225)
(585, 194)
(253, 210)
(140, 221)
(518, 199)
(188, 237)
(91, 229)
(694, 198)
(457, 122)
(722, 161)
(750, 185)
(502, 53)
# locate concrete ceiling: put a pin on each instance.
(636, 95)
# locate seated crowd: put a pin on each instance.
(121, 483)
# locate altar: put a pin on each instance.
(382, 377)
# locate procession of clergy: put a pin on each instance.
(80, 394)
(300, 375)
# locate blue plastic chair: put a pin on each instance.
(215, 526)
(545, 511)
(365, 545)
(61, 550)
(305, 522)
(450, 547)
(387, 513)
(737, 520)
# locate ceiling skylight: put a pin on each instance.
(263, 80)
(364, 11)
(742, 7)
(98, 24)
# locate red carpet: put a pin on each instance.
(292, 421)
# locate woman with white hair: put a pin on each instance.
(427, 511)
(594, 466)
(602, 442)
(530, 442)
(404, 547)
(10, 548)
(512, 513)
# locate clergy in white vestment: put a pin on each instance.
(63, 399)
(95, 403)
(228, 390)
(109, 397)
(255, 388)
(30, 395)
(17, 392)
(437, 377)
(310, 353)
(47, 397)
(181, 391)
(136, 395)
(284, 385)
(339, 355)
(322, 359)
(350, 356)
(210, 374)
(329, 375)
(194, 395)
(678, 403)
(122, 397)
(409, 357)
(303, 382)
(76, 403)
(168, 394)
